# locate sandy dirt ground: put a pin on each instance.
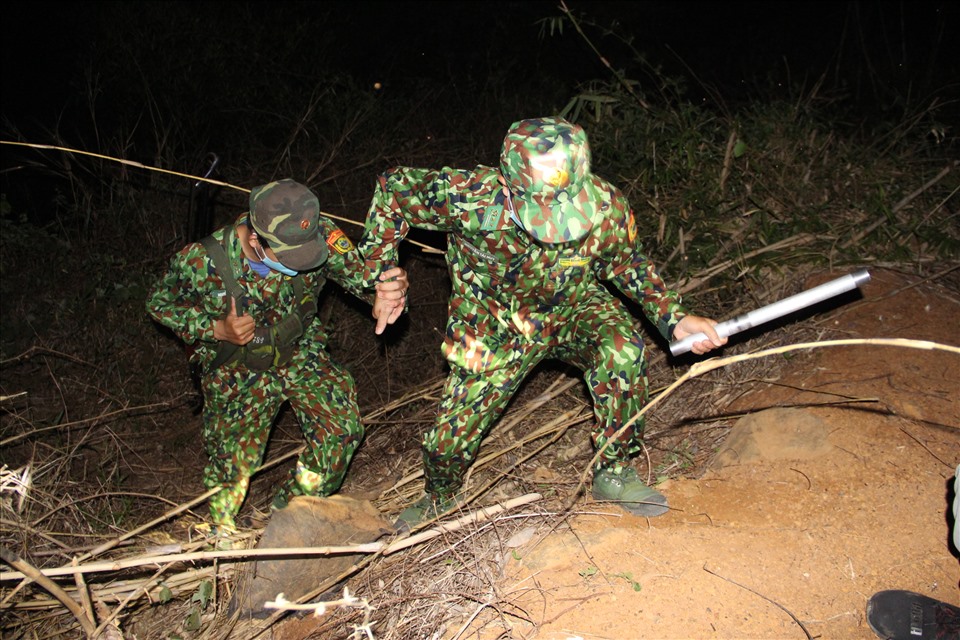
(837, 483)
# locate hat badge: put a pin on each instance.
(304, 224)
(557, 178)
(550, 166)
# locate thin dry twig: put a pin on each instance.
(771, 601)
(699, 279)
(901, 204)
(67, 425)
(618, 75)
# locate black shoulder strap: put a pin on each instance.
(291, 327)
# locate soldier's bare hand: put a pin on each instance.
(234, 328)
(690, 325)
(393, 284)
(391, 297)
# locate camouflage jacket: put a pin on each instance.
(191, 296)
(495, 266)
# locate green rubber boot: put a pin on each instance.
(428, 507)
(629, 492)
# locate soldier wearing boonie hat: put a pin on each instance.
(244, 301)
(529, 244)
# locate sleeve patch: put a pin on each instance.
(339, 241)
(631, 228)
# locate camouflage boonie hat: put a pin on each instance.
(546, 163)
(287, 215)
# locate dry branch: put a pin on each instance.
(480, 515)
(697, 281)
(700, 368)
(26, 570)
(901, 204)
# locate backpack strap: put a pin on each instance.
(221, 264)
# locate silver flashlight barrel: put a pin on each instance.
(778, 309)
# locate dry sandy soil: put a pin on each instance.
(835, 483)
(806, 511)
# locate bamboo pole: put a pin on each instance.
(480, 515)
(425, 247)
(27, 570)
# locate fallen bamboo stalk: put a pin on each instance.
(480, 515)
(117, 591)
(232, 554)
(551, 393)
(700, 368)
(169, 514)
(85, 599)
(27, 570)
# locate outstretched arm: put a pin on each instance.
(346, 267)
(406, 197)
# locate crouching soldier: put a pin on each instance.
(245, 300)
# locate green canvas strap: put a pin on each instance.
(221, 264)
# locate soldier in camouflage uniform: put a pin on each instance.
(253, 336)
(528, 244)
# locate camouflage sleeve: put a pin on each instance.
(344, 264)
(628, 268)
(405, 197)
(189, 297)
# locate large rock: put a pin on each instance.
(774, 434)
(307, 522)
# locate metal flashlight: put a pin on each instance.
(777, 309)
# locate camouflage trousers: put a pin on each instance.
(486, 368)
(240, 407)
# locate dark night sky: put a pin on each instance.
(45, 43)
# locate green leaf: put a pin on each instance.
(589, 571)
(629, 578)
(192, 623)
(739, 148)
(203, 594)
(165, 594)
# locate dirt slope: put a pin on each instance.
(822, 506)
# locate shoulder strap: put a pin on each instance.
(221, 264)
